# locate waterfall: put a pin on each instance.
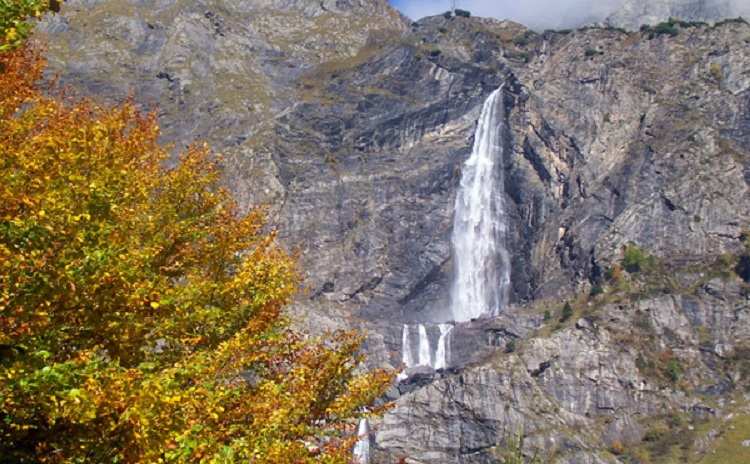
(482, 262)
(406, 357)
(424, 347)
(441, 355)
(482, 265)
(362, 448)
(425, 356)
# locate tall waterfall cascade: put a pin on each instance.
(482, 262)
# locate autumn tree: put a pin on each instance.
(15, 15)
(140, 312)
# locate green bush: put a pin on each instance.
(674, 369)
(670, 27)
(633, 259)
(596, 289)
(567, 312)
(739, 20)
(621, 30)
(462, 13)
(514, 452)
(547, 315)
(665, 28)
(590, 52)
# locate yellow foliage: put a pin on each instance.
(140, 312)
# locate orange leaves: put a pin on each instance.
(140, 312)
(21, 67)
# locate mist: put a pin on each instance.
(541, 14)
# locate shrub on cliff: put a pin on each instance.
(140, 312)
(596, 290)
(567, 312)
(665, 28)
(514, 451)
(633, 258)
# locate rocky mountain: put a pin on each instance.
(633, 13)
(626, 172)
(216, 69)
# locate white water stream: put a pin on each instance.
(406, 356)
(442, 354)
(425, 355)
(482, 264)
(424, 347)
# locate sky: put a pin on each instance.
(536, 14)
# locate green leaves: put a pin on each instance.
(14, 16)
(633, 258)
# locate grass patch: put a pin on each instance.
(728, 447)
(668, 439)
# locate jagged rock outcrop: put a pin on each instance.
(634, 13)
(355, 123)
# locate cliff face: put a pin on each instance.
(218, 69)
(641, 144)
(616, 142)
(626, 175)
